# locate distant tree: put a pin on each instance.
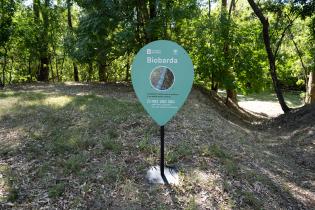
(7, 9)
(271, 55)
(71, 33)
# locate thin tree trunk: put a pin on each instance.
(43, 74)
(310, 96)
(271, 57)
(209, 8)
(62, 63)
(11, 70)
(52, 71)
(57, 71)
(90, 70)
(75, 72)
(30, 77)
(102, 72)
(299, 53)
(75, 66)
(127, 78)
(230, 90)
(4, 67)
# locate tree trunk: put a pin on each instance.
(231, 95)
(90, 71)
(209, 8)
(230, 89)
(75, 66)
(52, 71)
(127, 78)
(2, 84)
(310, 95)
(75, 72)
(102, 72)
(30, 77)
(43, 74)
(44, 69)
(57, 71)
(299, 53)
(271, 57)
(11, 71)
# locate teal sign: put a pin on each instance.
(162, 76)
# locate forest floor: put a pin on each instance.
(88, 146)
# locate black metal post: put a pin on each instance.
(162, 155)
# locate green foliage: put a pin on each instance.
(7, 9)
(226, 47)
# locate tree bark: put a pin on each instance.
(299, 53)
(30, 78)
(43, 74)
(271, 58)
(75, 72)
(2, 84)
(90, 71)
(310, 96)
(230, 90)
(127, 78)
(75, 66)
(209, 8)
(102, 72)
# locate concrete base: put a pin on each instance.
(154, 175)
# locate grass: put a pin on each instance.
(57, 190)
(110, 144)
(83, 150)
(7, 180)
(74, 163)
(182, 150)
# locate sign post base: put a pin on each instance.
(170, 175)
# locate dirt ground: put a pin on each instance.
(228, 158)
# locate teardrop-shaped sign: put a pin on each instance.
(162, 76)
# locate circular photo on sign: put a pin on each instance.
(162, 78)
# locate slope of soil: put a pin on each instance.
(88, 146)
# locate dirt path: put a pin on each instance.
(270, 109)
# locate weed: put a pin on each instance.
(7, 178)
(112, 173)
(74, 163)
(145, 146)
(85, 143)
(112, 134)
(111, 144)
(183, 150)
(13, 195)
(43, 170)
(171, 157)
(192, 205)
(62, 146)
(231, 167)
(251, 200)
(56, 190)
(216, 151)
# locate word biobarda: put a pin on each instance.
(161, 60)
